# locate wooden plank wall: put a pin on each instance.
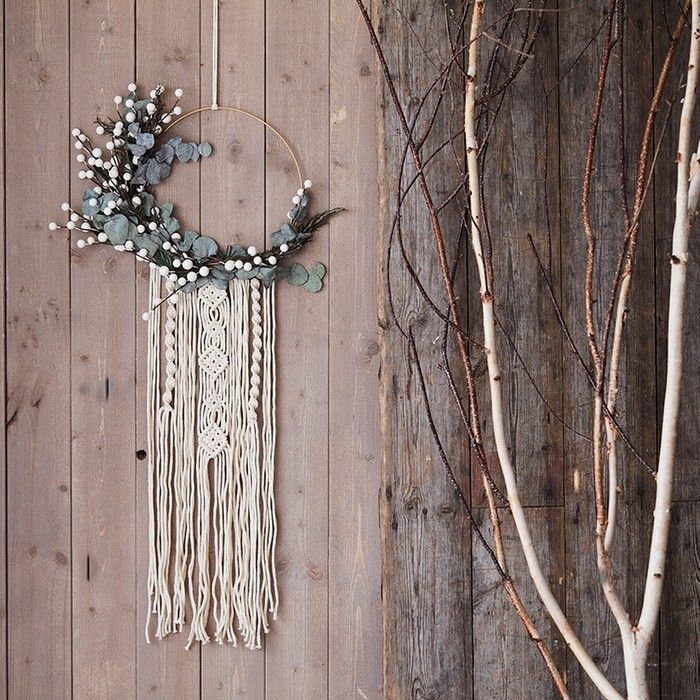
(72, 622)
(74, 516)
(450, 632)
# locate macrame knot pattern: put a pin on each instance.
(214, 314)
(211, 467)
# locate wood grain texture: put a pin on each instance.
(297, 104)
(680, 635)
(37, 278)
(680, 613)
(102, 321)
(426, 570)
(554, 464)
(76, 462)
(354, 569)
(586, 605)
(74, 362)
(168, 51)
(3, 377)
(232, 190)
(686, 484)
(522, 181)
(506, 663)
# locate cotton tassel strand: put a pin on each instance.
(185, 456)
(211, 431)
(152, 389)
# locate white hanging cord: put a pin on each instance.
(215, 55)
(151, 417)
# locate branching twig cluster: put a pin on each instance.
(482, 65)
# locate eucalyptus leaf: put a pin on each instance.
(147, 202)
(183, 152)
(166, 210)
(89, 209)
(139, 177)
(165, 153)
(160, 257)
(235, 251)
(297, 274)
(247, 274)
(218, 283)
(188, 288)
(318, 269)
(188, 238)
(117, 229)
(267, 275)
(204, 247)
(137, 149)
(171, 224)
(222, 273)
(146, 140)
(205, 149)
(146, 242)
(286, 234)
(153, 172)
(313, 284)
(164, 171)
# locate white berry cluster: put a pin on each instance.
(119, 208)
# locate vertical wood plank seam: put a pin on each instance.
(654, 280)
(4, 334)
(6, 661)
(470, 459)
(136, 420)
(328, 358)
(70, 351)
(264, 217)
(199, 211)
(562, 391)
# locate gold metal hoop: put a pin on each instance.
(258, 119)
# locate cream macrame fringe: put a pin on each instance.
(211, 444)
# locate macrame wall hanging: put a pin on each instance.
(211, 369)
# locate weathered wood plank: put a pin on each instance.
(506, 662)
(102, 382)
(521, 198)
(297, 104)
(426, 576)
(586, 605)
(680, 636)
(167, 41)
(3, 414)
(232, 193)
(38, 352)
(680, 614)
(686, 485)
(355, 633)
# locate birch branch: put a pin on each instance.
(674, 362)
(623, 279)
(494, 373)
(455, 322)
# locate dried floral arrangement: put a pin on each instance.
(121, 210)
(211, 375)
